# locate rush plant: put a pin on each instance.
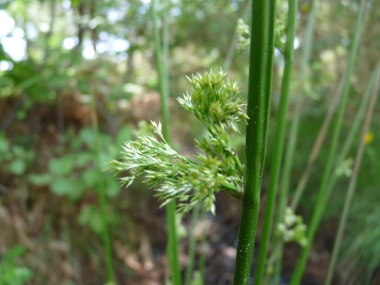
(217, 168)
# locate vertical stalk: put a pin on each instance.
(305, 176)
(317, 144)
(202, 258)
(165, 46)
(234, 41)
(192, 244)
(288, 163)
(279, 141)
(260, 68)
(269, 77)
(353, 131)
(321, 199)
(351, 187)
(170, 209)
(102, 194)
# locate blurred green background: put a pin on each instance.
(56, 57)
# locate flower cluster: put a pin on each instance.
(345, 168)
(244, 35)
(174, 176)
(293, 228)
(280, 32)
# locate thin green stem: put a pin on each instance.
(353, 132)
(192, 244)
(321, 198)
(317, 144)
(261, 57)
(288, 162)
(269, 78)
(102, 194)
(278, 252)
(235, 39)
(164, 91)
(352, 185)
(202, 257)
(165, 46)
(279, 142)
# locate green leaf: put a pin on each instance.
(90, 177)
(19, 151)
(40, 179)
(124, 134)
(71, 187)
(104, 158)
(83, 158)
(112, 186)
(75, 143)
(17, 167)
(87, 136)
(62, 166)
(14, 252)
(4, 144)
(90, 216)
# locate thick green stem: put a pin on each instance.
(279, 142)
(321, 198)
(164, 91)
(192, 244)
(351, 187)
(102, 194)
(261, 56)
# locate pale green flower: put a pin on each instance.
(174, 176)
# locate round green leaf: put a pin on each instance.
(17, 167)
(40, 179)
(62, 166)
(71, 187)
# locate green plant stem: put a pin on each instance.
(102, 194)
(202, 257)
(353, 131)
(279, 142)
(352, 185)
(164, 91)
(261, 56)
(192, 244)
(317, 145)
(288, 162)
(165, 46)
(269, 77)
(320, 203)
(234, 42)
(278, 251)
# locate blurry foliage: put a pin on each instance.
(47, 146)
(11, 273)
(14, 159)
